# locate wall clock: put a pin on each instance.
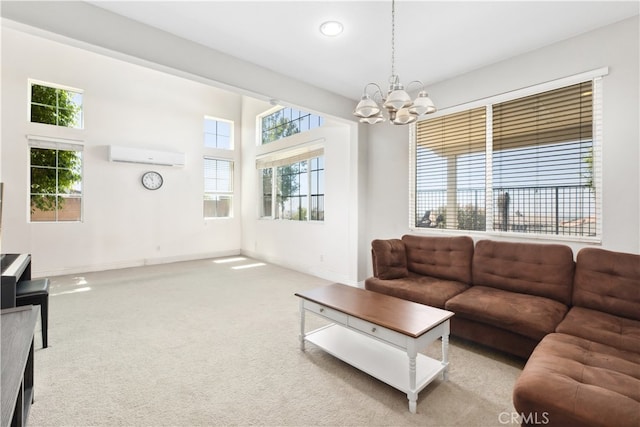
(152, 180)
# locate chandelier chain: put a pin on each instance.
(393, 37)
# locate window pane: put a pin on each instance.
(450, 171)
(541, 163)
(43, 180)
(43, 208)
(217, 206)
(224, 142)
(69, 208)
(56, 106)
(56, 192)
(42, 114)
(267, 197)
(218, 184)
(210, 126)
(224, 128)
(43, 157)
(210, 140)
(287, 122)
(43, 95)
(217, 134)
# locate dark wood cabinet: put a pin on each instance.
(17, 326)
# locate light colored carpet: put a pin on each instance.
(202, 344)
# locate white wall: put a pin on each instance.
(326, 249)
(124, 104)
(615, 46)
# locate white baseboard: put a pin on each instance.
(131, 263)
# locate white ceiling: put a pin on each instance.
(435, 40)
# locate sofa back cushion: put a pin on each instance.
(441, 257)
(608, 281)
(536, 269)
(389, 259)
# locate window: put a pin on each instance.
(286, 122)
(218, 168)
(218, 188)
(55, 105)
(524, 165)
(299, 190)
(292, 191)
(217, 133)
(267, 192)
(56, 182)
(450, 171)
(316, 174)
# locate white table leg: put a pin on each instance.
(412, 395)
(302, 332)
(445, 352)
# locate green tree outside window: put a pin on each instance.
(56, 175)
(55, 106)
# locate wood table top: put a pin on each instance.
(407, 317)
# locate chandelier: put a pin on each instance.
(401, 110)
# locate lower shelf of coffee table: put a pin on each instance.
(378, 359)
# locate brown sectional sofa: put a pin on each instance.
(520, 291)
(578, 321)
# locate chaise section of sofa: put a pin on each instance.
(588, 372)
(573, 382)
(520, 293)
(426, 270)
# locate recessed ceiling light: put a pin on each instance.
(331, 28)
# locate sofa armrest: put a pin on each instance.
(389, 259)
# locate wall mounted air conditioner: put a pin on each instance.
(119, 153)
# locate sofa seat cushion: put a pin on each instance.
(528, 315)
(618, 332)
(421, 289)
(578, 382)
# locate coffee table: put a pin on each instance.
(378, 334)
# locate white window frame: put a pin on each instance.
(230, 193)
(231, 136)
(32, 82)
(261, 117)
(281, 157)
(226, 154)
(60, 144)
(594, 75)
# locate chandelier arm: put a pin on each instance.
(378, 90)
(416, 82)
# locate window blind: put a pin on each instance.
(289, 156)
(37, 141)
(450, 171)
(542, 162)
(218, 176)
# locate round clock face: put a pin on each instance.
(152, 180)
